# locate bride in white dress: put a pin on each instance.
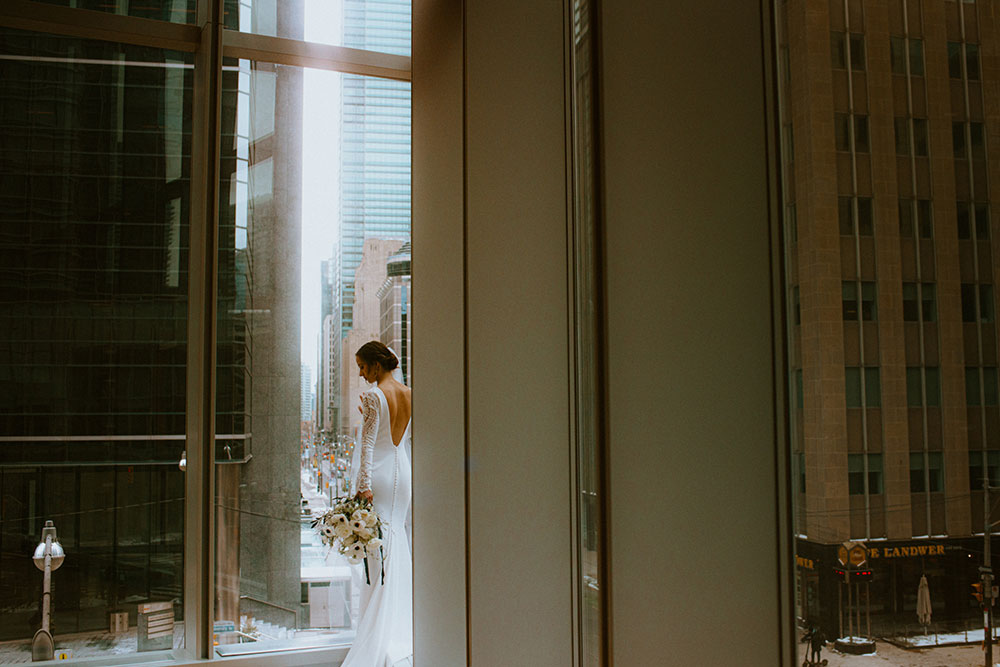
(385, 629)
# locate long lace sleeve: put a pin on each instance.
(369, 411)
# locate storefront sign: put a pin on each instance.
(906, 552)
(805, 562)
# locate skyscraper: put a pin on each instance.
(886, 110)
(375, 159)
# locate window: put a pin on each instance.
(857, 51)
(919, 302)
(917, 380)
(916, 57)
(851, 307)
(856, 473)
(968, 295)
(982, 220)
(849, 292)
(901, 126)
(976, 468)
(972, 61)
(838, 51)
(920, 141)
(845, 213)
(872, 391)
(955, 60)
(977, 140)
(958, 139)
(842, 132)
(923, 211)
(934, 469)
(972, 393)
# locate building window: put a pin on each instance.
(982, 220)
(872, 389)
(897, 54)
(914, 393)
(851, 306)
(920, 141)
(972, 394)
(845, 212)
(972, 61)
(925, 224)
(919, 302)
(977, 140)
(958, 139)
(968, 295)
(838, 51)
(901, 127)
(842, 129)
(976, 468)
(935, 472)
(856, 474)
(955, 60)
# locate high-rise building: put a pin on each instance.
(374, 174)
(375, 143)
(370, 276)
(396, 308)
(886, 110)
(306, 393)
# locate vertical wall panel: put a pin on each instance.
(519, 452)
(439, 545)
(692, 442)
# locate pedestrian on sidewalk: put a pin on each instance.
(817, 639)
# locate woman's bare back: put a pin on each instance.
(397, 397)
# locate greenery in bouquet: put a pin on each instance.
(354, 529)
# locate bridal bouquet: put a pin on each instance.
(353, 527)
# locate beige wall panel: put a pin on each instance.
(438, 340)
(692, 443)
(518, 405)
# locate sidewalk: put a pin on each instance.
(886, 655)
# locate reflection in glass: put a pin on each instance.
(591, 599)
(175, 11)
(94, 206)
(382, 26)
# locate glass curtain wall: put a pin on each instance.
(96, 146)
(888, 242)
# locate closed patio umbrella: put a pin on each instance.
(924, 602)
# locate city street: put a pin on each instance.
(886, 654)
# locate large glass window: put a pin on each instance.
(94, 208)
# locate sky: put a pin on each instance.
(320, 169)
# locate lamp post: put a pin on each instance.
(48, 556)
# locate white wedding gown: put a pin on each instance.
(385, 628)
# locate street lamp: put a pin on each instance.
(48, 556)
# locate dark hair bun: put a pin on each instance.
(374, 352)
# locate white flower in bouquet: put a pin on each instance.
(336, 519)
(359, 527)
(354, 560)
(359, 515)
(342, 530)
(356, 550)
(327, 531)
(373, 546)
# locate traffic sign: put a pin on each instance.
(223, 626)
